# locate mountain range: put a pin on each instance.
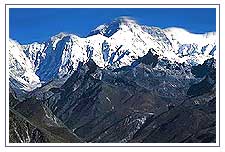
(123, 82)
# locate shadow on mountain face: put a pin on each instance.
(31, 121)
(208, 71)
(145, 103)
(207, 68)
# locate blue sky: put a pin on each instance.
(27, 25)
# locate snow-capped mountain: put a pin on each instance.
(21, 72)
(124, 82)
(111, 45)
(185, 44)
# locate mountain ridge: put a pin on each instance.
(114, 45)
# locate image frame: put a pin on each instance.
(218, 117)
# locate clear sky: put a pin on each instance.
(39, 24)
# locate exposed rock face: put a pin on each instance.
(21, 131)
(208, 71)
(142, 103)
(207, 68)
(32, 122)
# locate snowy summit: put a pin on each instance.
(115, 44)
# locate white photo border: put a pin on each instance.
(216, 6)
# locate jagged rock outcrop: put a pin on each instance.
(138, 104)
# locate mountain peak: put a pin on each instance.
(59, 36)
(126, 20)
(182, 31)
(110, 28)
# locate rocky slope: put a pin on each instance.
(32, 122)
(134, 104)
